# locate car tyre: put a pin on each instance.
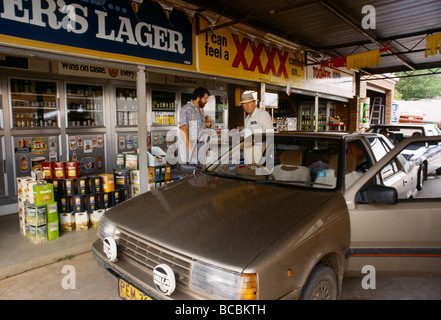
(421, 177)
(321, 284)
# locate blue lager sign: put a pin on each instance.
(141, 29)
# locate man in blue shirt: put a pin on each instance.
(192, 117)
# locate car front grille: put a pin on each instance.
(149, 255)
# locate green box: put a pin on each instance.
(43, 194)
(53, 229)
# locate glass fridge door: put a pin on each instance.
(84, 105)
(34, 103)
(306, 117)
(163, 108)
(126, 107)
(322, 120)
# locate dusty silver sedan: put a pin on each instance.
(287, 225)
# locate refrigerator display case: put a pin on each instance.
(163, 108)
(126, 107)
(32, 150)
(88, 150)
(34, 103)
(84, 105)
(307, 117)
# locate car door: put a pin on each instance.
(401, 238)
(397, 173)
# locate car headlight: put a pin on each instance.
(105, 228)
(223, 284)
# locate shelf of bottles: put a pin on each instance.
(163, 108)
(84, 105)
(34, 103)
(219, 117)
(126, 107)
(307, 121)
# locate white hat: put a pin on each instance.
(247, 97)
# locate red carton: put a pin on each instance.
(47, 170)
(71, 170)
(59, 170)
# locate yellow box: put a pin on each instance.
(108, 182)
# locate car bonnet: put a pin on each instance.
(217, 220)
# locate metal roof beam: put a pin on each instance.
(372, 36)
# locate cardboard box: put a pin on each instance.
(47, 170)
(151, 174)
(22, 184)
(29, 191)
(59, 170)
(131, 161)
(58, 187)
(108, 182)
(67, 221)
(77, 203)
(82, 221)
(65, 204)
(53, 230)
(36, 215)
(104, 200)
(69, 187)
(157, 157)
(81, 186)
(135, 190)
(43, 193)
(120, 161)
(122, 178)
(91, 202)
(71, 170)
(134, 177)
(94, 184)
(95, 217)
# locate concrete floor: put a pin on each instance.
(19, 255)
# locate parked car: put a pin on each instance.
(428, 158)
(286, 226)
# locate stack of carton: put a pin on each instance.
(38, 211)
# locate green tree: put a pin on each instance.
(419, 87)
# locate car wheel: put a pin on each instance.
(420, 177)
(321, 284)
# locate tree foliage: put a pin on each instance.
(419, 87)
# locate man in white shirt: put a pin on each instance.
(257, 122)
(256, 118)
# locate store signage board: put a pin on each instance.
(337, 81)
(224, 52)
(88, 70)
(143, 33)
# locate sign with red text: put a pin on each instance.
(225, 53)
(331, 80)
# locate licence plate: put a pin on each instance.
(129, 292)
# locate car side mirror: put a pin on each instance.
(377, 194)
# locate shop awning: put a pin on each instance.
(405, 30)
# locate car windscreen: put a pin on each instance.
(286, 160)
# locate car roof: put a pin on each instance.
(408, 125)
(327, 134)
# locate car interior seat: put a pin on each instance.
(328, 178)
(351, 175)
(290, 167)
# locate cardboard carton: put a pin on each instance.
(108, 182)
(82, 221)
(43, 194)
(53, 230)
(67, 221)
